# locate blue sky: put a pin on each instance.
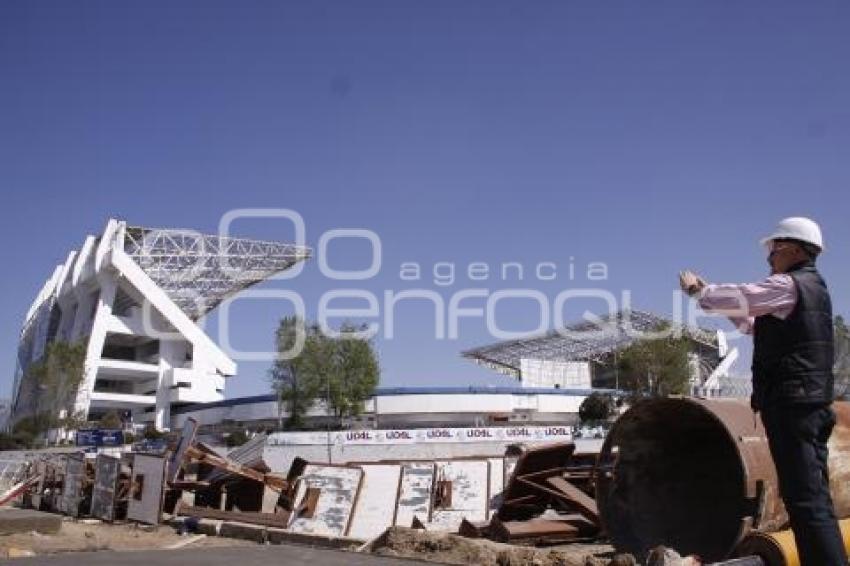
(649, 136)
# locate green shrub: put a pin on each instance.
(237, 438)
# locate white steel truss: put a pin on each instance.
(199, 271)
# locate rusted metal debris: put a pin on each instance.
(697, 475)
(497, 498)
(544, 480)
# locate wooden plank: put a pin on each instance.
(266, 519)
(214, 460)
(575, 496)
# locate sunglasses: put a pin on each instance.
(775, 246)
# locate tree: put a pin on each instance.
(596, 407)
(842, 358)
(342, 370)
(151, 433)
(53, 381)
(355, 374)
(111, 420)
(236, 438)
(656, 367)
(296, 376)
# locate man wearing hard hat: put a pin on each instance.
(789, 315)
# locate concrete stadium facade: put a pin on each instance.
(406, 408)
(132, 297)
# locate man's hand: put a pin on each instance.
(691, 283)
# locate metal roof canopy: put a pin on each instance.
(199, 271)
(588, 340)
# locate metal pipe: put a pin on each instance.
(696, 475)
(779, 548)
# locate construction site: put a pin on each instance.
(676, 481)
(375, 283)
(454, 475)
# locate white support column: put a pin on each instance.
(108, 286)
(171, 355)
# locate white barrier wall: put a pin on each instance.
(424, 436)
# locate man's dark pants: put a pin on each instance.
(797, 436)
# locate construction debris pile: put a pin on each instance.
(539, 495)
(692, 475)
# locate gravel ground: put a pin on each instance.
(78, 536)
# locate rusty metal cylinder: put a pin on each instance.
(696, 475)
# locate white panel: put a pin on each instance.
(376, 503)
(470, 479)
(414, 498)
(145, 504)
(338, 487)
(497, 483)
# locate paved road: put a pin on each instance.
(286, 555)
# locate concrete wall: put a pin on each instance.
(280, 458)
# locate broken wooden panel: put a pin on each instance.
(146, 489)
(414, 493)
(375, 506)
(106, 474)
(460, 491)
(48, 495)
(72, 488)
(324, 499)
(11, 473)
(52, 497)
(187, 437)
(38, 491)
(265, 519)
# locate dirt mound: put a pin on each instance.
(453, 549)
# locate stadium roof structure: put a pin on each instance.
(588, 340)
(133, 296)
(198, 271)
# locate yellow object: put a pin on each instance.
(779, 548)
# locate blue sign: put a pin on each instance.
(100, 437)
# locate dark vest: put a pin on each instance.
(793, 358)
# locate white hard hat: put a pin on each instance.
(797, 228)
